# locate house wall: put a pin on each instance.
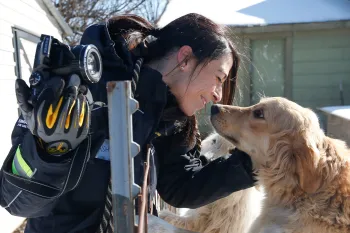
(321, 62)
(306, 63)
(306, 66)
(267, 69)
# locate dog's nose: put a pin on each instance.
(214, 109)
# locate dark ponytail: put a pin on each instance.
(133, 28)
(125, 24)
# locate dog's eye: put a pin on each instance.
(258, 113)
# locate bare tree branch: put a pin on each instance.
(153, 10)
(79, 14)
(161, 11)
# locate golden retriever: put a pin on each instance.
(232, 214)
(305, 174)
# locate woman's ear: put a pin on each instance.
(183, 56)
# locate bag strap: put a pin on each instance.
(107, 220)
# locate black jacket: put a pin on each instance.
(177, 171)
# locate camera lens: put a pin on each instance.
(89, 62)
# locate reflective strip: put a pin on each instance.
(20, 166)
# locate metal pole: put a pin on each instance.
(123, 149)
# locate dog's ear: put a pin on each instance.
(307, 157)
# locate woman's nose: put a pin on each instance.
(217, 95)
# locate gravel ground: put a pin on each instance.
(20, 229)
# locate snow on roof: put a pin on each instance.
(340, 111)
(260, 12)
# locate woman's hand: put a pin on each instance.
(243, 158)
(61, 115)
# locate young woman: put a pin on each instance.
(186, 64)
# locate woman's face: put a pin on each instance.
(197, 85)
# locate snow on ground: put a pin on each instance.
(340, 111)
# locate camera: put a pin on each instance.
(53, 58)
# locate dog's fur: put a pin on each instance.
(232, 214)
(305, 174)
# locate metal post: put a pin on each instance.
(123, 149)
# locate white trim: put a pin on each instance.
(19, 33)
(58, 17)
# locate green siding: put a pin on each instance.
(267, 68)
(321, 40)
(321, 67)
(320, 63)
(320, 54)
(242, 95)
(321, 93)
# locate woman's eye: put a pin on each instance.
(259, 114)
(220, 80)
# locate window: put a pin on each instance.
(25, 46)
